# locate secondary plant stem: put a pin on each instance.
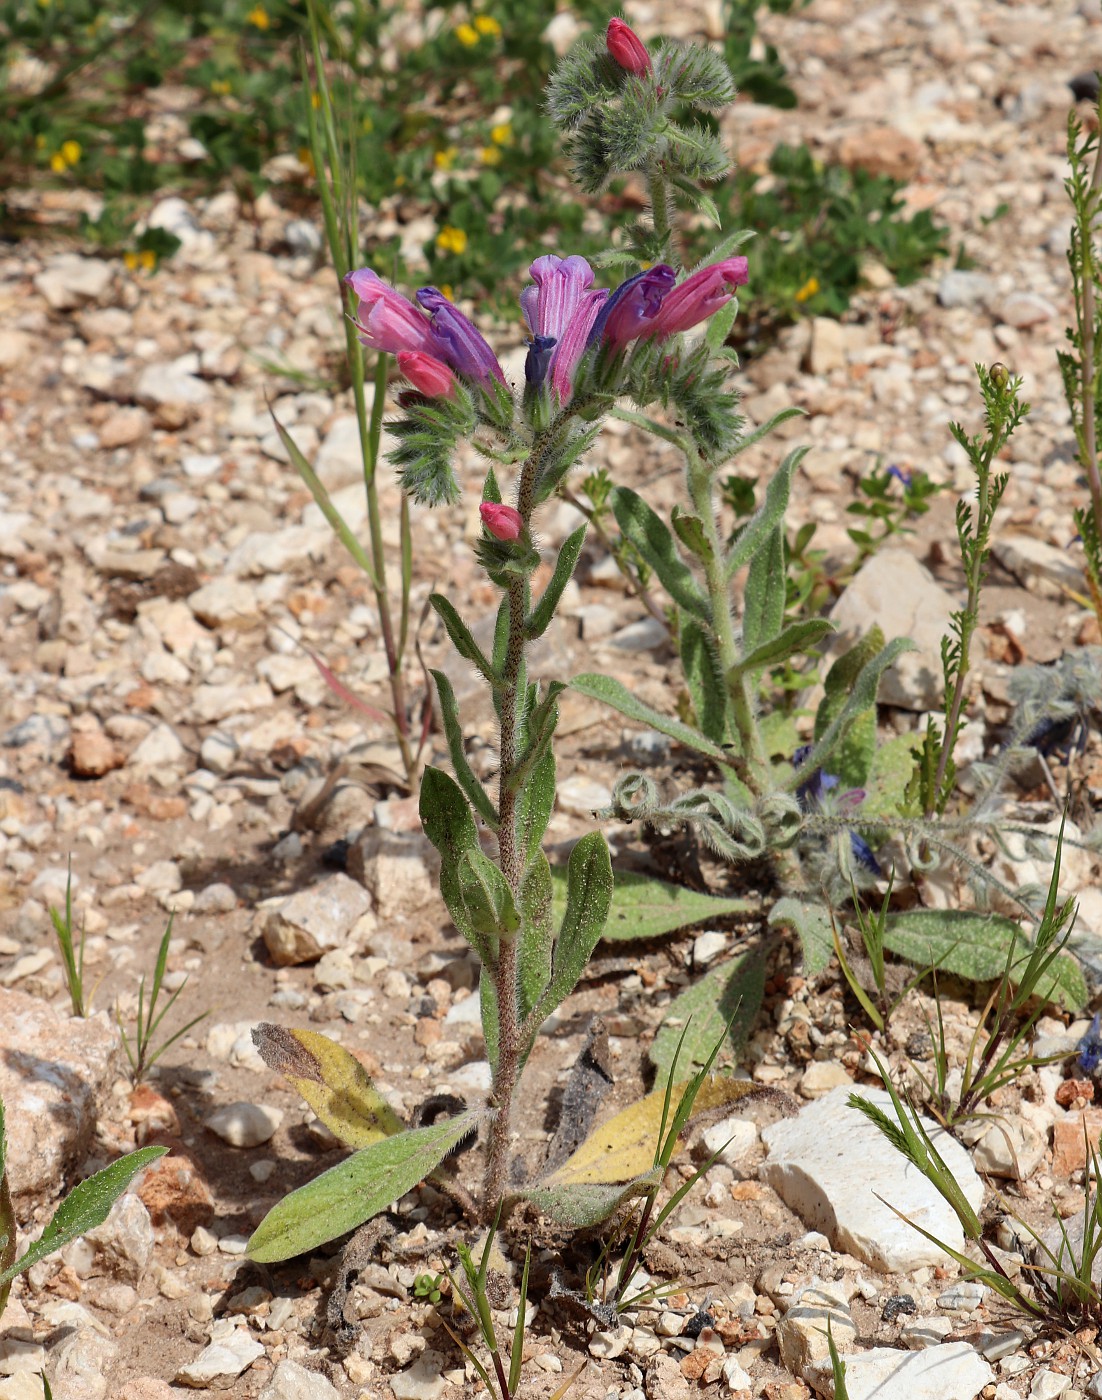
(1088, 369)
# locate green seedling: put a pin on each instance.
(142, 1052)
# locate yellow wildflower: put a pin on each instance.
(446, 291)
(57, 163)
(131, 261)
(71, 152)
(502, 134)
(148, 259)
(489, 155)
(258, 17)
(306, 160)
(486, 24)
(451, 240)
(445, 159)
(808, 290)
(220, 87)
(467, 35)
(315, 101)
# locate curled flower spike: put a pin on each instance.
(427, 374)
(503, 522)
(626, 49)
(457, 340)
(386, 320)
(697, 298)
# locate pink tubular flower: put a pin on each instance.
(627, 49)
(427, 374)
(503, 522)
(560, 286)
(697, 298)
(387, 322)
(572, 343)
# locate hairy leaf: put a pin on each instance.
(731, 993)
(87, 1205)
(764, 599)
(537, 932)
(769, 515)
(584, 1205)
(342, 1198)
(813, 928)
(623, 1148)
(975, 945)
(535, 803)
(540, 617)
(704, 679)
(793, 641)
(588, 896)
(449, 713)
(461, 638)
(448, 824)
(616, 694)
(332, 1081)
(643, 907)
(652, 538)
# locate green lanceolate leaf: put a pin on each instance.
(643, 907)
(690, 531)
(975, 945)
(768, 517)
(720, 325)
(461, 638)
(813, 928)
(886, 782)
(537, 932)
(535, 803)
(342, 1198)
(860, 697)
(540, 617)
(764, 599)
(487, 899)
(581, 1206)
(704, 680)
(86, 1206)
(793, 641)
(856, 750)
(651, 537)
(332, 1081)
(749, 439)
(446, 818)
(477, 795)
(501, 636)
(540, 725)
(613, 693)
(730, 994)
(588, 896)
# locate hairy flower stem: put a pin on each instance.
(659, 191)
(511, 863)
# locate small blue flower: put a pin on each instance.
(1090, 1047)
(904, 478)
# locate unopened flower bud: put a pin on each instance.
(1000, 375)
(427, 374)
(503, 522)
(627, 49)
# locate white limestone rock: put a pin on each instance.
(831, 1165)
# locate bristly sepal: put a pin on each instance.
(426, 441)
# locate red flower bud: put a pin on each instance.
(427, 374)
(503, 522)
(627, 49)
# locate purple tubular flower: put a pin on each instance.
(561, 283)
(457, 341)
(632, 307)
(387, 322)
(573, 342)
(697, 298)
